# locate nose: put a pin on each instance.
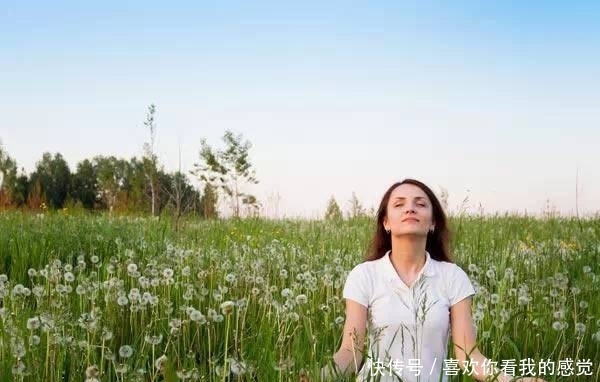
(410, 210)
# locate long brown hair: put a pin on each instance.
(437, 241)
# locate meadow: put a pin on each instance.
(101, 298)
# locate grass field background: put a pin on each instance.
(129, 298)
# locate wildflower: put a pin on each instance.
(583, 304)
(557, 325)
(580, 327)
(32, 272)
(153, 340)
(33, 323)
(69, 277)
(478, 315)
(494, 298)
(94, 259)
(236, 367)
(301, 299)
(286, 293)
(283, 274)
(106, 334)
(198, 317)
(125, 351)
(559, 314)
(230, 278)
(339, 320)
(167, 273)
(34, 340)
(92, 372)
(227, 307)
(587, 269)
(132, 268)
(121, 368)
(159, 363)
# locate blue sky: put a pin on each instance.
(494, 101)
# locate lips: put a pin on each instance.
(410, 219)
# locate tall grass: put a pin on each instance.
(121, 298)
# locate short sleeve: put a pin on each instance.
(460, 286)
(356, 287)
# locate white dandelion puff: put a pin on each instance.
(125, 351)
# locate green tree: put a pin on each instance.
(229, 170)
(333, 211)
(112, 175)
(8, 179)
(54, 178)
(208, 202)
(85, 188)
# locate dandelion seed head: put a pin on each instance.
(34, 340)
(33, 323)
(92, 372)
(230, 278)
(227, 307)
(153, 340)
(125, 351)
(167, 273)
(160, 362)
(132, 268)
(197, 316)
(286, 293)
(557, 325)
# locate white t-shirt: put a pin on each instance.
(408, 327)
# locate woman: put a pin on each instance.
(409, 294)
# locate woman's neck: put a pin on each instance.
(408, 256)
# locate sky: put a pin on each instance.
(498, 103)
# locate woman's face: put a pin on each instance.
(409, 211)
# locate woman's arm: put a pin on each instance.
(348, 358)
(465, 346)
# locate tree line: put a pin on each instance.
(107, 183)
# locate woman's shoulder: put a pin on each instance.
(366, 268)
(448, 268)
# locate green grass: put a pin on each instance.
(266, 336)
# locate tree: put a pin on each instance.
(112, 176)
(84, 187)
(333, 211)
(356, 208)
(54, 178)
(8, 179)
(208, 202)
(229, 170)
(150, 160)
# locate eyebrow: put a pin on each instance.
(404, 198)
